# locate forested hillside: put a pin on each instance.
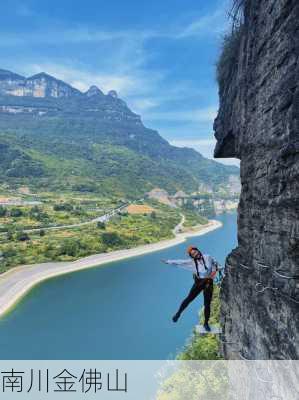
(53, 136)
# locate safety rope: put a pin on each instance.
(295, 277)
(245, 266)
(266, 266)
(260, 288)
(263, 265)
(263, 288)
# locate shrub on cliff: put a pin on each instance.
(237, 12)
(228, 59)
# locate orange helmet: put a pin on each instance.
(190, 248)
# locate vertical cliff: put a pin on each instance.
(258, 122)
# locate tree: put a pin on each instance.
(63, 207)
(111, 239)
(10, 233)
(69, 247)
(101, 225)
(9, 252)
(42, 233)
(22, 236)
(3, 211)
(37, 214)
(153, 215)
(16, 212)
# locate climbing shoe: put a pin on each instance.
(207, 327)
(175, 318)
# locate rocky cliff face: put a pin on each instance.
(43, 95)
(258, 122)
(39, 85)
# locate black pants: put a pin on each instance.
(205, 285)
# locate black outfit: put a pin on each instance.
(200, 284)
(205, 285)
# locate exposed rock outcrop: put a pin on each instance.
(258, 122)
(39, 85)
(94, 91)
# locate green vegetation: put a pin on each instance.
(55, 210)
(196, 381)
(87, 165)
(94, 145)
(205, 347)
(206, 379)
(66, 244)
(196, 216)
(68, 160)
(228, 61)
(193, 218)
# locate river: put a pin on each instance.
(118, 311)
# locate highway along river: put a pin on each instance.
(121, 310)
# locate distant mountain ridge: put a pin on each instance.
(42, 85)
(57, 136)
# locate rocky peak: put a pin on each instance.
(42, 76)
(8, 75)
(113, 93)
(44, 85)
(94, 91)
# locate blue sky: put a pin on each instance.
(159, 55)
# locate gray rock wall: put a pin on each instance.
(258, 122)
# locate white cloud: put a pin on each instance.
(195, 115)
(82, 79)
(142, 105)
(205, 147)
(210, 24)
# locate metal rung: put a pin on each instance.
(215, 330)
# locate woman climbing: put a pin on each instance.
(204, 269)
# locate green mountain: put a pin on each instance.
(55, 137)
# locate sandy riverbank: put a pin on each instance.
(15, 283)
